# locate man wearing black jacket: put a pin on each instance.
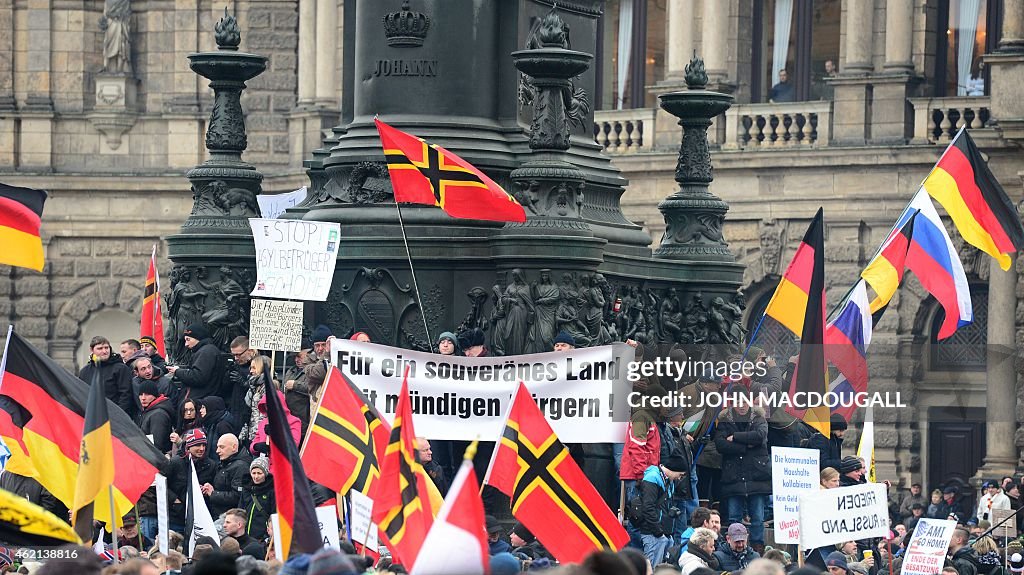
(203, 376)
(157, 417)
(234, 526)
(116, 376)
(178, 476)
(830, 450)
(232, 475)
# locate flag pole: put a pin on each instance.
(415, 285)
(113, 526)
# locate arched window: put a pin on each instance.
(965, 349)
(968, 29)
(798, 37)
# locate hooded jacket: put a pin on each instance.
(217, 420)
(294, 425)
(158, 420)
(655, 493)
(117, 382)
(202, 377)
(746, 464)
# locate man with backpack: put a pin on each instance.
(654, 517)
(675, 443)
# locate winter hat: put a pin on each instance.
(137, 355)
(320, 333)
(503, 564)
(262, 462)
(837, 422)
(1016, 563)
(355, 336)
(540, 564)
(949, 489)
(850, 464)
(836, 559)
(565, 337)
(195, 437)
(675, 463)
(450, 337)
(197, 331)
(493, 526)
(148, 387)
(330, 562)
(475, 337)
(147, 339)
(523, 533)
(297, 565)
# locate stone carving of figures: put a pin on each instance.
(734, 313)
(475, 317)
(592, 307)
(623, 318)
(185, 306)
(671, 317)
(514, 330)
(567, 290)
(696, 319)
(567, 319)
(719, 332)
(545, 300)
(498, 314)
(227, 317)
(636, 321)
(117, 36)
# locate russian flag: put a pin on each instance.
(935, 262)
(847, 338)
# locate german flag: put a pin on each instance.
(549, 493)
(21, 213)
(152, 323)
(51, 406)
(298, 523)
(95, 458)
(401, 506)
(423, 173)
(347, 439)
(980, 208)
(885, 272)
(799, 305)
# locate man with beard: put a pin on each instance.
(147, 372)
(116, 376)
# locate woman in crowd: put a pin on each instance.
(188, 419)
(829, 478)
(742, 439)
(989, 560)
(257, 389)
(935, 508)
(257, 498)
(217, 421)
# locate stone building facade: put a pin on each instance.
(112, 147)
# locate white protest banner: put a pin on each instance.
(794, 473)
(275, 325)
(830, 516)
(294, 259)
(466, 398)
(161, 513)
(363, 529)
(273, 205)
(926, 553)
(326, 516)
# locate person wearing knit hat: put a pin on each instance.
(156, 414)
(361, 336)
(830, 449)
(448, 344)
(195, 438)
(836, 563)
(297, 565)
(564, 341)
(257, 498)
(505, 564)
(262, 463)
(851, 471)
(330, 562)
(203, 375)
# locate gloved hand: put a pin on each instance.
(263, 448)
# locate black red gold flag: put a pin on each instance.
(300, 532)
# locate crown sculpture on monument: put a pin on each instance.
(406, 28)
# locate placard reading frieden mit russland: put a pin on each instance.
(275, 325)
(831, 516)
(295, 259)
(466, 398)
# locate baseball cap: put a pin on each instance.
(738, 532)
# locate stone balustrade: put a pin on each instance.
(937, 120)
(625, 131)
(778, 125)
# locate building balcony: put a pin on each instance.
(937, 120)
(625, 131)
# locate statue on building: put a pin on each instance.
(117, 36)
(185, 305)
(226, 319)
(545, 300)
(512, 333)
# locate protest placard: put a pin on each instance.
(295, 259)
(1008, 530)
(929, 544)
(363, 529)
(465, 398)
(831, 516)
(326, 516)
(275, 325)
(794, 473)
(273, 205)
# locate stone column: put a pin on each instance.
(327, 54)
(680, 37)
(899, 35)
(186, 41)
(715, 41)
(307, 51)
(1013, 26)
(859, 18)
(1001, 377)
(40, 44)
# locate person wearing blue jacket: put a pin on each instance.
(656, 490)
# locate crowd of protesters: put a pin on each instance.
(694, 502)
